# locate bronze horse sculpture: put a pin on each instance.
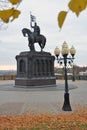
(33, 38)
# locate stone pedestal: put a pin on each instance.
(35, 69)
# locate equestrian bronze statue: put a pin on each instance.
(34, 35)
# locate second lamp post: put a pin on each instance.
(65, 53)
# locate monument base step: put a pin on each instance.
(34, 81)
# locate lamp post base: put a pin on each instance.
(66, 105)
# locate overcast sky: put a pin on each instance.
(74, 30)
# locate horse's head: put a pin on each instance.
(26, 32)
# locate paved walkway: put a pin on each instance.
(40, 100)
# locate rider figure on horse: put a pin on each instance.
(34, 35)
(34, 26)
(36, 29)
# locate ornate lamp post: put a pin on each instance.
(67, 60)
(73, 75)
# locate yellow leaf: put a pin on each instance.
(15, 14)
(86, 2)
(14, 1)
(6, 20)
(6, 14)
(77, 6)
(61, 18)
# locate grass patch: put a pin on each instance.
(74, 121)
(83, 126)
(55, 126)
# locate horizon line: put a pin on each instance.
(8, 67)
(14, 67)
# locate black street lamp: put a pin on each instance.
(73, 76)
(67, 60)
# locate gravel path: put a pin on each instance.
(15, 101)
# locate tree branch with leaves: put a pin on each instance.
(76, 6)
(8, 10)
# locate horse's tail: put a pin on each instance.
(43, 41)
(26, 31)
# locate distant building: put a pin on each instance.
(83, 73)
